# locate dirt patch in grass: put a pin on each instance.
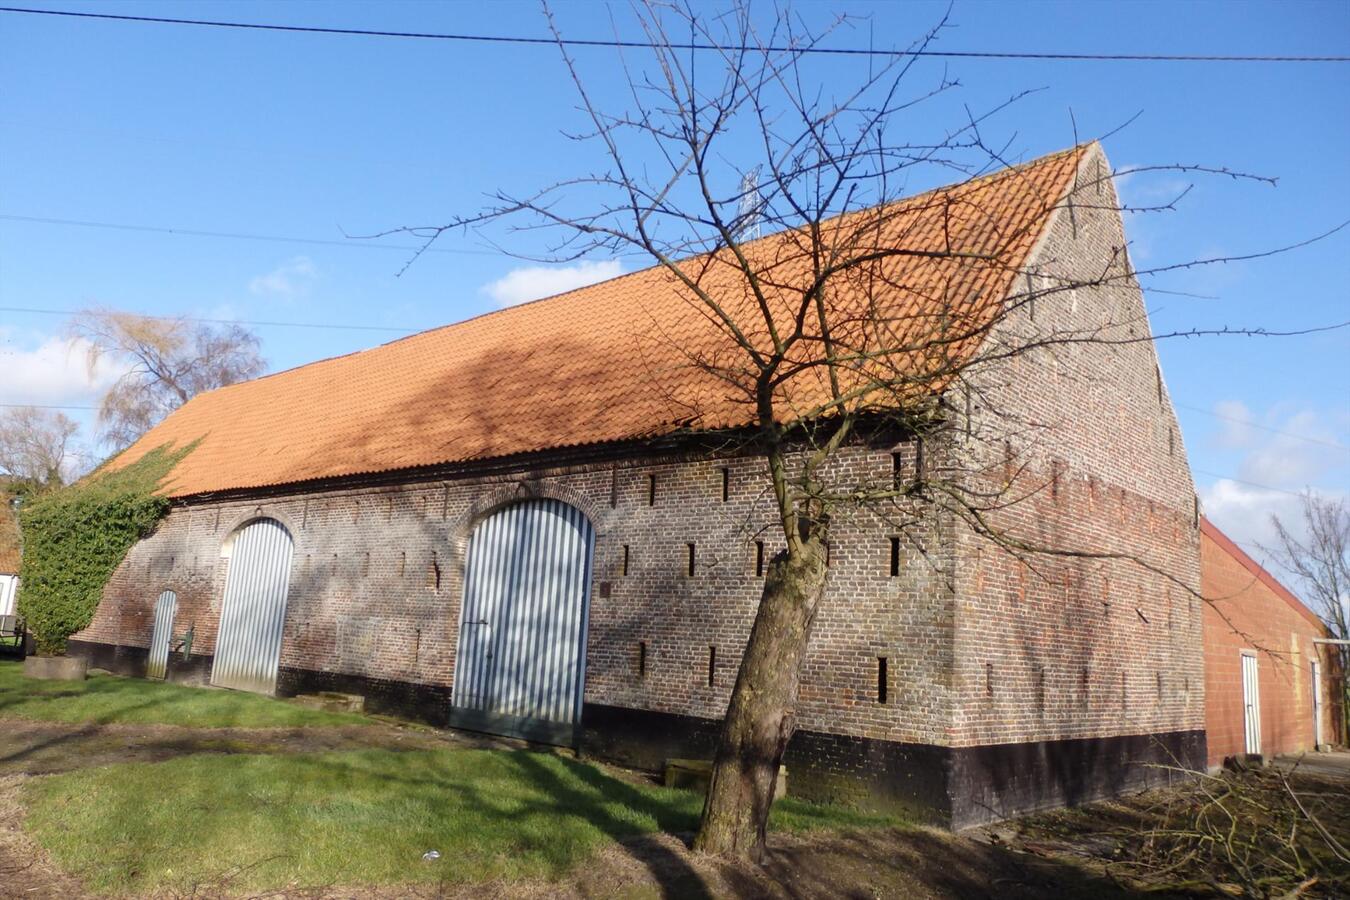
(26, 870)
(42, 748)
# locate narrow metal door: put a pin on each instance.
(1317, 703)
(166, 607)
(522, 636)
(1251, 703)
(253, 612)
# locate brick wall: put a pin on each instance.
(378, 572)
(1083, 435)
(1247, 610)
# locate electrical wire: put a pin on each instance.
(257, 323)
(687, 45)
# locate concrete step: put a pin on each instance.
(333, 701)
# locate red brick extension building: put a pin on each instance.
(513, 524)
(1254, 621)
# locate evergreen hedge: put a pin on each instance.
(75, 537)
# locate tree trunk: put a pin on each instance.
(759, 720)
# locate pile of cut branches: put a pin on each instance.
(1261, 833)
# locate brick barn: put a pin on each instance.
(511, 524)
(1268, 687)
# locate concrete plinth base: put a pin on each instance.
(333, 701)
(56, 668)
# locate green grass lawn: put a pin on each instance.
(107, 699)
(353, 818)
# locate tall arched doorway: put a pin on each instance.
(253, 612)
(522, 629)
(161, 634)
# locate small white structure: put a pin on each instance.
(9, 593)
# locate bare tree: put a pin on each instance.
(167, 361)
(859, 314)
(35, 446)
(1320, 561)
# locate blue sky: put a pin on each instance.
(307, 135)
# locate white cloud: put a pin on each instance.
(55, 372)
(1243, 513)
(533, 282)
(1284, 460)
(1235, 428)
(290, 279)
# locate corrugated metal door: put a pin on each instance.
(166, 607)
(1317, 703)
(522, 637)
(1251, 703)
(248, 648)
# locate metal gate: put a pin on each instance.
(1317, 703)
(522, 636)
(248, 646)
(166, 607)
(1251, 703)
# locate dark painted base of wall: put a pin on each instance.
(122, 660)
(955, 787)
(406, 699)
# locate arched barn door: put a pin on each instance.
(248, 646)
(522, 629)
(166, 607)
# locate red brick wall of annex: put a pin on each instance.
(1245, 610)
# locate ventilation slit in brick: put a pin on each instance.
(1040, 688)
(402, 563)
(626, 557)
(759, 559)
(897, 470)
(827, 554)
(989, 679)
(365, 564)
(726, 484)
(642, 659)
(1160, 687)
(434, 572)
(895, 557)
(712, 664)
(651, 489)
(881, 679)
(691, 558)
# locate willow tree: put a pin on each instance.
(164, 362)
(776, 193)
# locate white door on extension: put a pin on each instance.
(1251, 703)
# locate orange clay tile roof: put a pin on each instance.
(605, 363)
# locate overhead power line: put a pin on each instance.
(42, 406)
(1254, 484)
(256, 323)
(686, 45)
(1251, 424)
(357, 243)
